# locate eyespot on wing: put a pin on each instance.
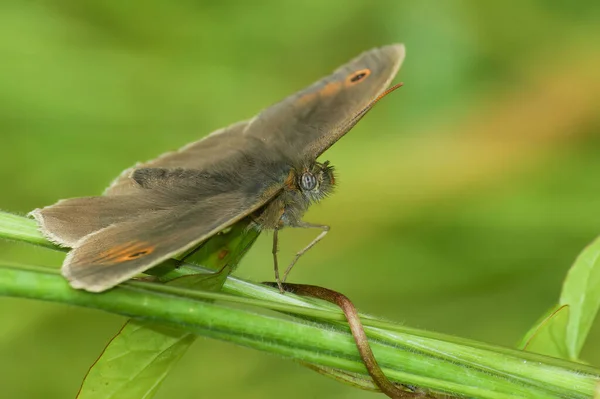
(357, 76)
(332, 88)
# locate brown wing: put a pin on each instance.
(67, 221)
(249, 176)
(216, 147)
(306, 123)
(311, 120)
(117, 253)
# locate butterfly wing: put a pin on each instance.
(306, 123)
(201, 154)
(120, 251)
(311, 120)
(67, 221)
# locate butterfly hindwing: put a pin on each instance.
(69, 220)
(116, 253)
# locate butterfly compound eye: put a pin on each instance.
(308, 181)
(357, 76)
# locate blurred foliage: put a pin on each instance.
(463, 197)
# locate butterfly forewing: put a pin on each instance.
(308, 122)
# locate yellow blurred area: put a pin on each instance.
(463, 197)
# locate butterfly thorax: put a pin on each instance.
(303, 186)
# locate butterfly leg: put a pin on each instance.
(305, 225)
(275, 264)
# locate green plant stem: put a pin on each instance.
(470, 353)
(19, 228)
(435, 361)
(401, 361)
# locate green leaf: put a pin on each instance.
(581, 292)
(135, 362)
(140, 356)
(549, 335)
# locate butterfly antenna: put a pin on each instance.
(385, 93)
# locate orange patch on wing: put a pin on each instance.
(125, 252)
(328, 90)
(222, 254)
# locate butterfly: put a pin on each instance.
(264, 169)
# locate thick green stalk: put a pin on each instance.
(400, 358)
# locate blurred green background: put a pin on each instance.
(463, 198)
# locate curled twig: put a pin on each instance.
(360, 337)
